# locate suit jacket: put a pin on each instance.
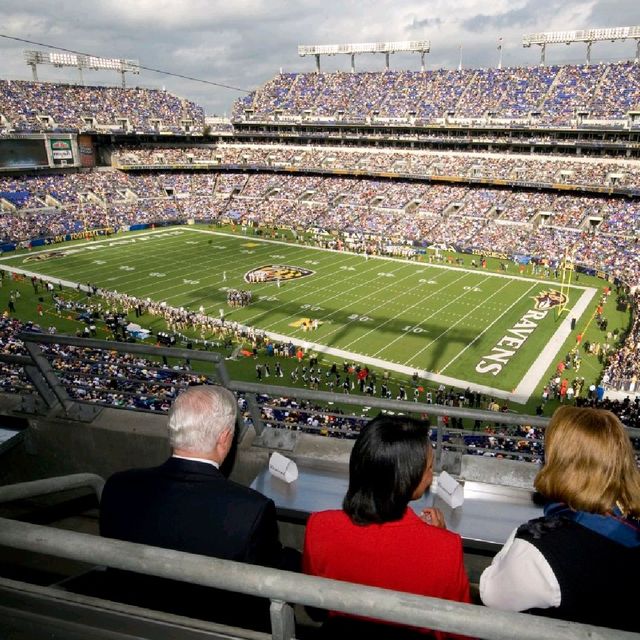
(404, 555)
(188, 506)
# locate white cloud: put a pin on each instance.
(244, 42)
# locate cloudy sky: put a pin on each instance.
(243, 43)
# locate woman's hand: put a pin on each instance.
(434, 517)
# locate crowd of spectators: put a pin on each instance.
(96, 375)
(45, 106)
(538, 225)
(541, 225)
(515, 168)
(488, 439)
(623, 366)
(545, 95)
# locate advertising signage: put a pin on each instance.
(61, 149)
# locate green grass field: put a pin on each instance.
(457, 325)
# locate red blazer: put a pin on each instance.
(405, 555)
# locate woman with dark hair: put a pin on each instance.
(571, 563)
(376, 539)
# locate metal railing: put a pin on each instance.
(47, 486)
(54, 389)
(283, 588)
(60, 393)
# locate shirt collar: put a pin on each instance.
(211, 462)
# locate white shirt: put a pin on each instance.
(519, 578)
(215, 464)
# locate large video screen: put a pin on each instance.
(20, 154)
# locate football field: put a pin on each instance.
(498, 331)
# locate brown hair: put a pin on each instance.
(589, 462)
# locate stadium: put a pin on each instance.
(456, 245)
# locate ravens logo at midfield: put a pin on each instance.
(275, 272)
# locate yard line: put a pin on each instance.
(357, 300)
(466, 315)
(420, 301)
(515, 302)
(330, 276)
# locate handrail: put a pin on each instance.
(222, 376)
(122, 347)
(407, 406)
(284, 586)
(45, 486)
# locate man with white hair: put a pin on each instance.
(187, 504)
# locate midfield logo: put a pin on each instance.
(548, 299)
(275, 272)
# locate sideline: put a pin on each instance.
(121, 239)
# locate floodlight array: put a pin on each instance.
(63, 59)
(583, 35)
(421, 46)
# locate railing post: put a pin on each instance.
(255, 413)
(53, 392)
(438, 459)
(283, 626)
(42, 386)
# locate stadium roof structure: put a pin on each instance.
(583, 35)
(419, 46)
(80, 61)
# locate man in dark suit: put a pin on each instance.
(188, 505)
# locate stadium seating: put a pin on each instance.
(536, 224)
(515, 169)
(44, 106)
(544, 95)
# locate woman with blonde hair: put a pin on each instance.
(571, 563)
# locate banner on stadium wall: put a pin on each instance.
(87, 151)
(490, 254)
(78, 235)
(61, 149)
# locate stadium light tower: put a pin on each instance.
(584, 35)
(420, 46)
(80, 62)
